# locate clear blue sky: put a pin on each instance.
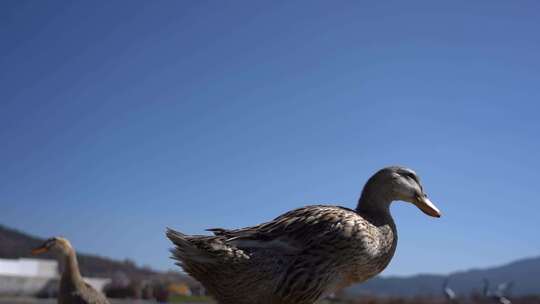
(119, 118)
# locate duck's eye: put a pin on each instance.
(411, 176)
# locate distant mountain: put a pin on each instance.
(15, 244)
(524, 273)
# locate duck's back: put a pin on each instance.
(295, 258)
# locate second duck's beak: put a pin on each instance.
(424, 204)
(39, 250)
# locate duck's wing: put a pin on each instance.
(289, 234)
(309, 242)
(273, 253)
(296, 230)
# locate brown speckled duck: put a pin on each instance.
(73, 289)
(305, 253)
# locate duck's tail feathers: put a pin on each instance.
(185, 249)
(217, 231)
(202, 249)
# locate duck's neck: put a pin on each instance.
(71, 277)
(374, 205)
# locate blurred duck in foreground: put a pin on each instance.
(73, 289)
(305, 253)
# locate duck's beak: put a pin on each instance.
(39, 250)
(424, 204)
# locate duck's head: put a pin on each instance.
(398, 183)
(55, 244)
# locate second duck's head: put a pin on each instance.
(56, 245)
(398, 183)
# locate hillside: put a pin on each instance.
(524, 273)
(16, 244)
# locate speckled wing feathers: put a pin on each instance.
(293, 259)
(303, 227)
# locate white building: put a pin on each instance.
(32, 276)
(29, 268)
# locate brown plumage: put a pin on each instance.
(305, 253)
(73, 289)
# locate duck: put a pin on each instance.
(73, 289)
(306, 253)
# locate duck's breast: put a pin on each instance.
(375, 249)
